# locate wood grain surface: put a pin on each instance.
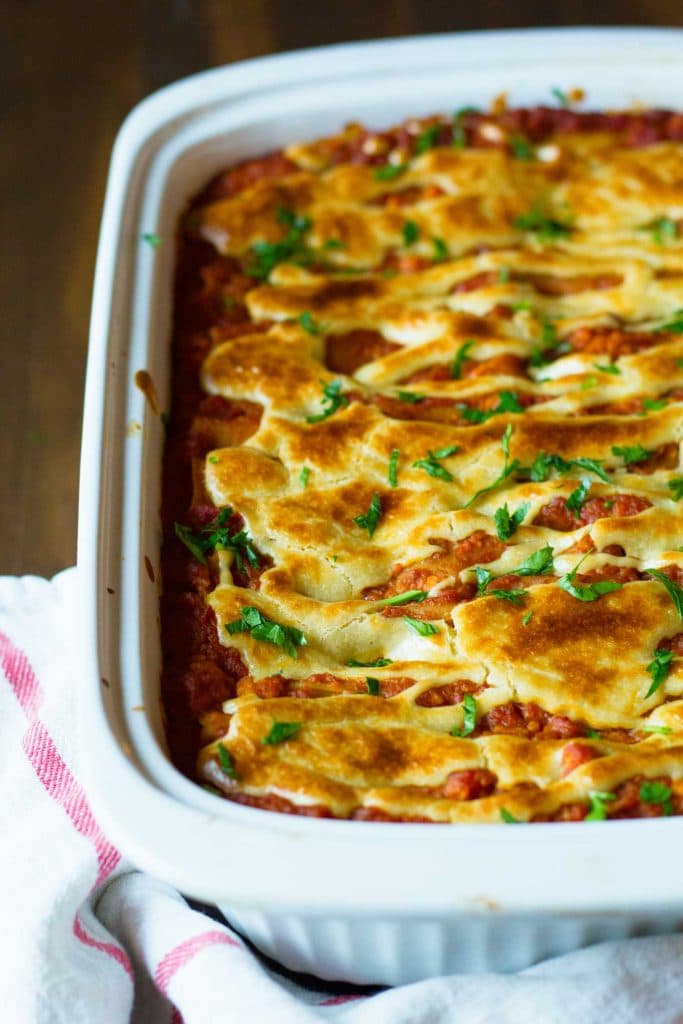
(71, 71)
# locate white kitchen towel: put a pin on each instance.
(86, 939)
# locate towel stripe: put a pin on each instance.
(58, 781)
(185, 951)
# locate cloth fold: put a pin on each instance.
(86, 939)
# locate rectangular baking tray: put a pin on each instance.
(332, 897)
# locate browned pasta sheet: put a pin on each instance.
(425, 457)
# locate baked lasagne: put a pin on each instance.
(422, 507)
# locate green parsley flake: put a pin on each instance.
(542, 465)
(459, 358)
(260, 627)
(372, 517)
(673, 326)
(659, 669)
(333, 398)
(662, 730)
(410, 397)
(676, 488)
(265, 256)
(504, 274)
(509, 467)
(540, 224)
(674, 591)
(306, 321)
(591, 381)
(378, 663)
(508, 401)
(419, 627)
(410, 232)
(469, 721)
(428, 138)
(507, 818)
(304, 475)
(577, 497)
(216, 536)
(225, 761)
(663, 230)
(654, 404)
(373, 686)
(281, 731)
(586, 592)
(609, 368)
(631, 453)
(527, 618)
(521, 148)
(560, 96)
(598, 808)
(459, 132)
(440, 250)
(389, 171)
(432, 465)
(507, 523)
(407, 597)
(152, 240)
(393, 467)
(657, 793)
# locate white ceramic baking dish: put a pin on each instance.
(364, 902)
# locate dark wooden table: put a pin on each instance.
(72, 70)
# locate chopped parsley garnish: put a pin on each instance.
(508, 401)
(485, 576)
(545, 462)
(370, 520)
(504, 274)
(577, 497)
(419, 627)
(654, 404)
(586, 592)
(372, 685)
(378, 663)
(547, 343)
(333, 243)
(598, 809)
(260, 627)
(508, 818)
(509, 467)
(674, 326)
(560, 96)
(333, 398)
(310, 325)
(537, 564)
(469, 721)
(216, 536)
(432, 465)
(506, 522)
(676, 488)
(440, 250)
(389, 171)
(265, 256)
(281, 731)
(662, 229)
(609, 368)
(659, 669)
(393, 467)
(631, 453)
(428, 138)
(662, 730)
(410, 232)
(546, 229)
(407, 597)
(410, 397)
(304, 475)
(527, 618)
(459, 358)
(152, 240)
(657, 793)
(225, 761)
(591, 381)
(459, 133)
(675, 592)
(521, 148)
